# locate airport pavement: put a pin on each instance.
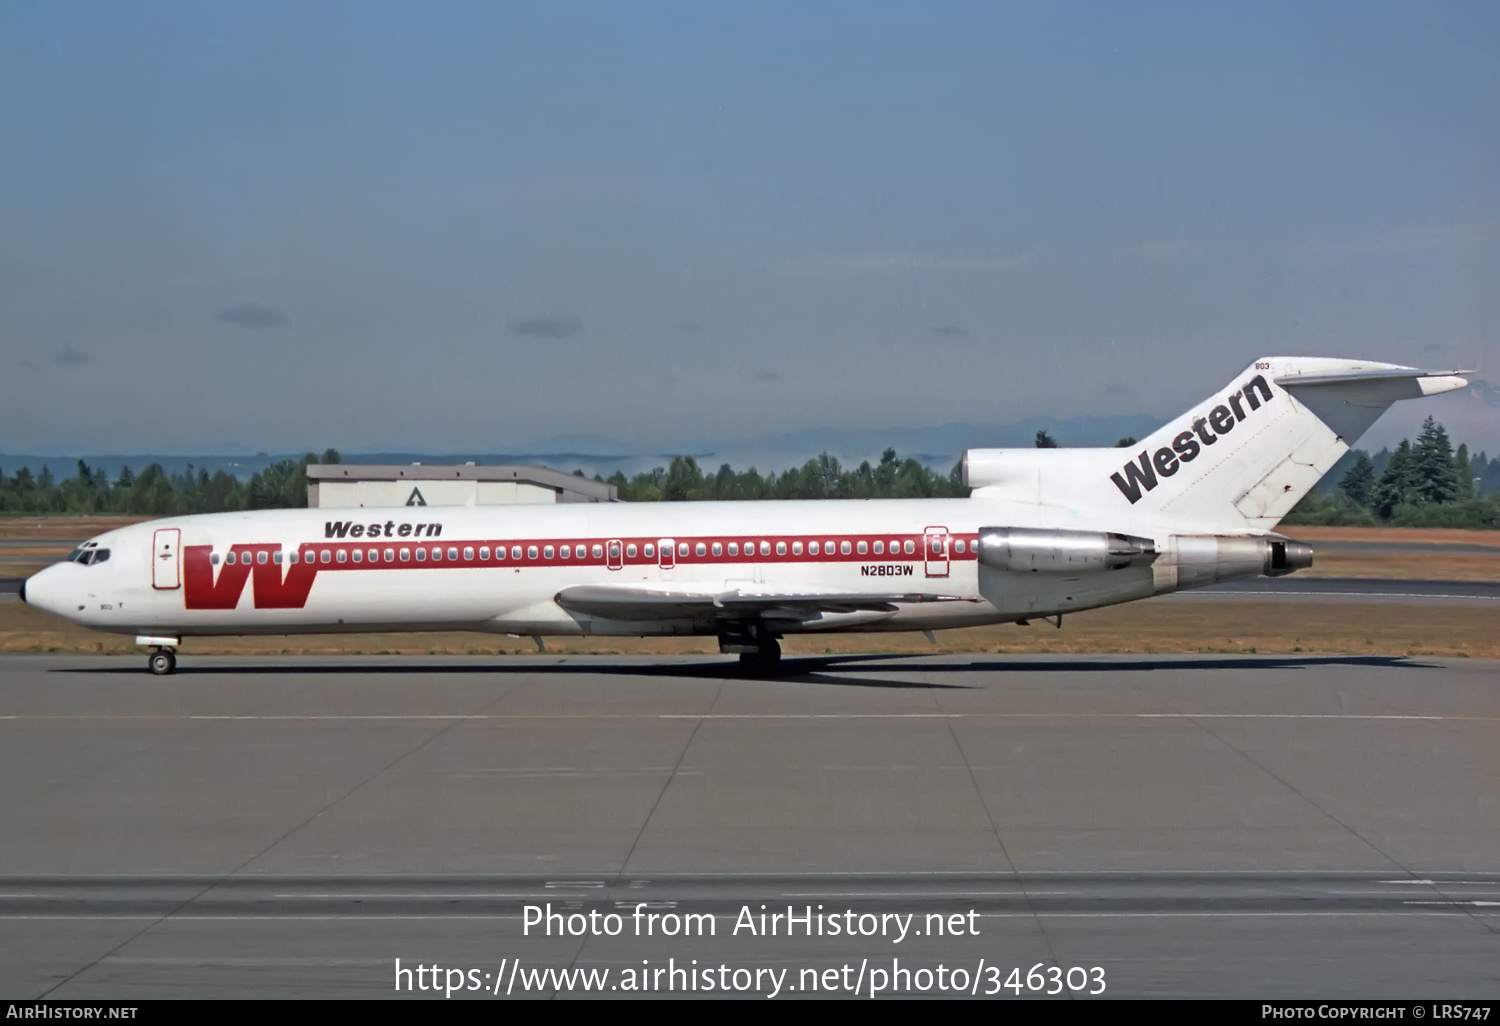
(1191, 826)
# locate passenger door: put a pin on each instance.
(165, 575)
(935, 550)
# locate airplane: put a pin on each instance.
(1044, 533)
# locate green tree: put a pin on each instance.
(1399, 485)
(1044, 440)
(1465, 472)
(1437, 478)
(1359, 482)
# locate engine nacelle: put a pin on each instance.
(1029, 550)
(1206, 559)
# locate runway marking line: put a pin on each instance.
(497, 717)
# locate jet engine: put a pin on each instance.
(1204, 559)
(1027, 550)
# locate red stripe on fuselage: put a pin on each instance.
(287, 585)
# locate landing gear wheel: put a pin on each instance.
(765, 661)
(162, 662)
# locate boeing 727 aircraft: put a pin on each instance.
(1044, 532)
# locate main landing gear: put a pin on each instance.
(162, 662)
(764, 661)
(759, 651)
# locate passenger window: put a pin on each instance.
(548, 552)
(326, 557)
(229, 560)
(598, 551)
(844, 548)
(484, 552)
(828, 547)
(421, 555)
(765, 548)
(879, 548)
(650, 551)
(566, 552)
(781, 548)
(958, 545)
(292, 557)
(277, 557)
(796, 548)
(437, 554)
(682, 549)
(861, 548)
(359, 556)
(260, 557)
(515, 552)
(374, 555)
(453, 554)
(390, 555)
(406, 555)
(910, 547)
(214, 559)
(700, 549)
(895, 546)
(343, 556)
(531, 552)
(614, 551)
(718, 549)
(468, 553)
(734, 548)
(812, 548)
(630, 551)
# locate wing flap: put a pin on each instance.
(635, 604)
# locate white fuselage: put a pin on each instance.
(499, 569)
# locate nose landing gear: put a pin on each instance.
(163, 658)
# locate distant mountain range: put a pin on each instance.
(938, 447)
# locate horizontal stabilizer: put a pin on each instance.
(1427, 382)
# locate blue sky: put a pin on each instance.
(467, 226)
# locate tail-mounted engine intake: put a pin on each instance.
(1026, 550)
(1204, 559)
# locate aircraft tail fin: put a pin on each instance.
(1243, 458)
(1237, 462)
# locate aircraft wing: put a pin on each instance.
(636, 604)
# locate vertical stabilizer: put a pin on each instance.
(1243, 458)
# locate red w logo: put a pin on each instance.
(272, 590)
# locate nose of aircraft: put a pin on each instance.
(42, 590)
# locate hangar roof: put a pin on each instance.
(569, 487)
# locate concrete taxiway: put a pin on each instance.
(1193, 826)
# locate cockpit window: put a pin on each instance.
(101, 555)
(73, 556)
